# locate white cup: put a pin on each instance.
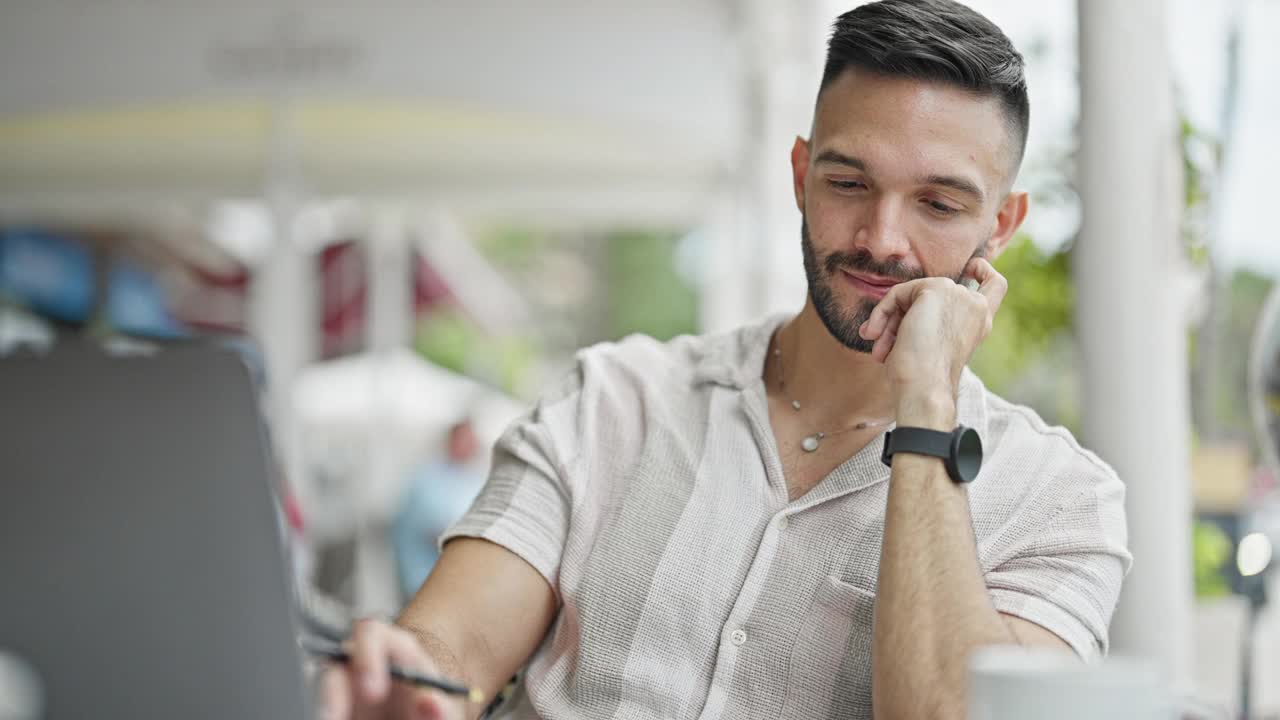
(1014, 683)
(21, 695)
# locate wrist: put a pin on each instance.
(932, 408)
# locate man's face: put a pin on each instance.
(462, 443)
(901, 180)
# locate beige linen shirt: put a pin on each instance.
(647, 489)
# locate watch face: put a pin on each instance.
(968, 454)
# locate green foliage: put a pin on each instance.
(446, 338)
(1242, 300)
(1211, 550)
(1194, 181)
(645, 292)
(1199, 150)
(449, 339)
(514, 249)
(1035, 312)
(619, 283)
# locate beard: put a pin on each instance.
(843, 322)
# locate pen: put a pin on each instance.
(337, 654)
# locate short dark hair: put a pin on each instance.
(933, 40)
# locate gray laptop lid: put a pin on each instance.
(141, 570)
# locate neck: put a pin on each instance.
(836, 385)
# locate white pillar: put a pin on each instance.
(390, 283)
(788, 91)
(282, 295)
(1132, 319)
(390, 294)
(783, 53)
(282, 318)
(726, 293)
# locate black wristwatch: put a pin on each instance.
(960, 449)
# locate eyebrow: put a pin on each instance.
(959, 184)
(838, 158)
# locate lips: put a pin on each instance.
(876, 287)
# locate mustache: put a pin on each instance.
(862, 261)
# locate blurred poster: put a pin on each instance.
(137, 304)
(50, 274)
(343, 299)
(430, 291)
(213, 301)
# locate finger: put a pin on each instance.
(991, 284)
(369, 660)
(410, 702)
(891, 332)
(866, 330)
(431, 706)
(894, 322)
(404, 650)
(335, 693)
(897, 301)
(884, 345)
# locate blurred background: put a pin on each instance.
(409, 215)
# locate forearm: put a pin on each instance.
(460, 651)
(441, 652)
(481, 613)
(932, 605)
(447, 654)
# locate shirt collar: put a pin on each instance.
(735, 359)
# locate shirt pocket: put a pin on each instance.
(830, 672)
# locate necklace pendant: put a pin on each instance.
(795, 404)
(811, 443)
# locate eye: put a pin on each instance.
(940, 208)
(846, 184)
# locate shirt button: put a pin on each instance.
(738, 637)
(782, 523)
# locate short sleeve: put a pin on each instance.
(526, 502)
(1066, 575)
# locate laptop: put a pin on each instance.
(142, 573)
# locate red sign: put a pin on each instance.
(343, 299)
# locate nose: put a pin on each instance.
(882, 232)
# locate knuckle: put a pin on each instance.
(368, 641)
(365, 630)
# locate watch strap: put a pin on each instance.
(919, 441)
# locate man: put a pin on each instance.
(705, 528)
(438, 493)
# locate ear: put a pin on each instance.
(1008, 219)
(799, 168)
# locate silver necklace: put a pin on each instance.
(811, 443)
